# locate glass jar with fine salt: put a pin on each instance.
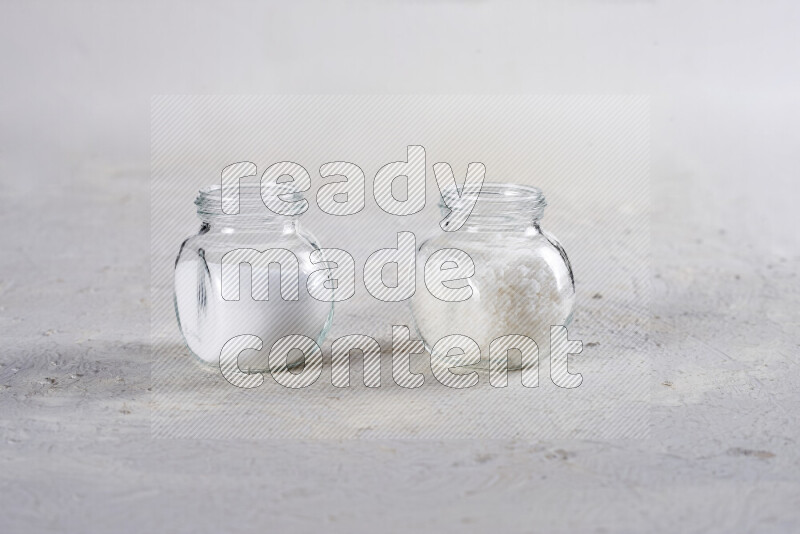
(250, 273)
(522, 281)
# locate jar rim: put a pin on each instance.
(500, 192)
(210, 200)
(498, 198)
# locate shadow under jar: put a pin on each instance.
(207, 320)
(522, 283)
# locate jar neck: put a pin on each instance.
(245, 210)
(233, 224)
(499, 208)
(483, 223)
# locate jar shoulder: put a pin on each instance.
(491, 242)
(210, 245)
(534, 250)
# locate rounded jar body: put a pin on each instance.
(208, 318)
(522, 282)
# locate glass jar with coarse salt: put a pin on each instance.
(522, 281)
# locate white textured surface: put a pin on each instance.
(75, 447)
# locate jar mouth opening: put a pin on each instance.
(248, 198)
(498, 198)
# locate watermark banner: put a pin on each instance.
(424, 267)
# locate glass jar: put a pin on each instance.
(522, 281)
(208, 318)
